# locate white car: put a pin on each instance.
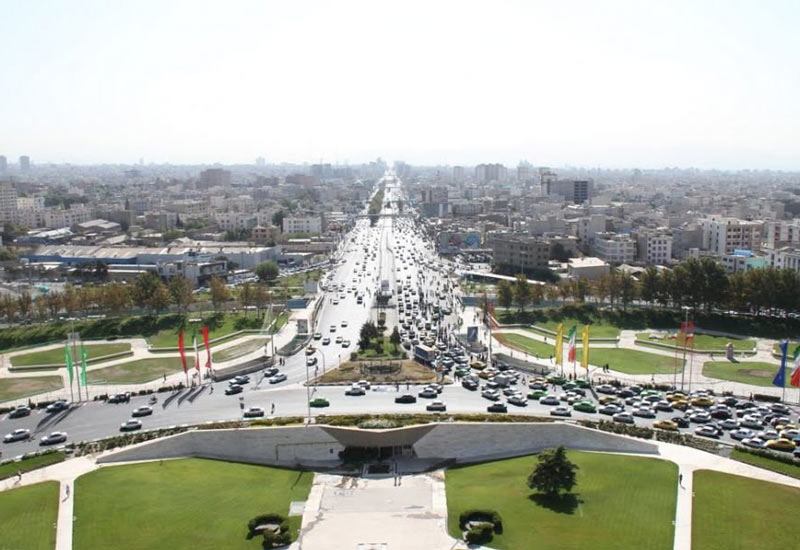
(20, 434)
(53, 438)
(130, 425)
(280, 377)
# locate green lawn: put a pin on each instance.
(597, 328)
(56, 356)
(755, 373)
(389, 351)
(28, 517)
(221, 325)
(26, 465)
(181, 504)
(631, 361)
(792, 470)
(732, 512)
(528, 345)
(19, 387)
(238, 350)
(776, 349)
(702, 342)
(141, 370)
(620, 502)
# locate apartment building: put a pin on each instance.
(518, 251)
(614, 248)
(302, 224)
(654, 247)
(725, 235)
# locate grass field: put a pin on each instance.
(226, 324)
(181, 504)
(631, 361)
(792, 470)
(755, 373)
(776, 349)
(389, 351)
(523, 343)
(56, 356)
(10, 469)
(620, 502)
(239, 350)
(350, 372)
(731, 512)
(597, 329)
(16, 388)
(702, 342)
(140, 371)
(28, 517)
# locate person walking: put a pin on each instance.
(680, 481)
(272, 409)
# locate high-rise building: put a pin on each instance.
(485, 173)
(726, 235)
(24, 163)
(3, 163)
(577, 191)
(458, 174)
(214, 177)
(8, 202)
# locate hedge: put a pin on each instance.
(764, 453)
(482, 514)
(618, 428)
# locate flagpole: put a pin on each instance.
(71, 394)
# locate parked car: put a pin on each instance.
(623, 417)
(497, 408)
(144, 410)
(19, 412)
(668, 425)
(470, 384)
(57, 406)
(707, 431)
(234, 389)
(120, 398)
(584, 406)
(784, 445)
(428, 393)
(280, 377)
(644, 412)
(437, 406)
(754, 442)
(561, 411)
(254, 412)
(549, 400)
(406, 398)
(53, 438)
(20, 434)
(493, 395)
(130, 425)
(610, 409)
(518, 400)
(741, 434)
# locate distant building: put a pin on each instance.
(214, 177)
(485, 173)
(24, 163)
(654, 246)
(614, 248)
(518, 252)
(8, 202)
(302, 224)
(3, 163)
(459, 174)
(724, 235)
(587, 268)
(577, 191)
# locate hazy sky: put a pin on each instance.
(606, 83)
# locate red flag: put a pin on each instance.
(688, 329)
(795, 379)
(182, 350)
(208, 348)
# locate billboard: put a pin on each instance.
(454, 241)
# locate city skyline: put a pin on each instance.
(622, 84)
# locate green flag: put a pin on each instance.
(68, 358)
(84, 356)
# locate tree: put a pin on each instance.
(181, 291)
(246, 296)
(553, 473)
(25, 304)
(522, 291)
(395, 338)
(159, 301)
(219, 292)
(505, 294)
(627, 289)
(267, 271)
(277, 218)
(367, 333)
(649, 284)
(143, 288)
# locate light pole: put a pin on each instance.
(683, 361)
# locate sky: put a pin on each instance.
(610, 83)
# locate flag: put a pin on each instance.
(571, 349)
(182, 350)
(68, 358)
(687, 333)
(208, 348)
(196, 353)
(84, 357)
(780, 376)
(795, 379)
(559, 344)
(585, 357)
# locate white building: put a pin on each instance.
(785, 258)
(779, 234)
(614, 247)
(654, 247)
(587, 268)
(55, 218)
(235, 221)
(725, 235)
(302, 224)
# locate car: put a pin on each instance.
(663, 405)
(729, 424)
(53, 438)
(702, 401)
(497, 408)
(345, 343)
(561, 411)
(144, 410)
(549, 400)
(668, 425)
(20, 434)
(707, 431)
(254, 412)
(19, 412)
(280, 377)
(333, 328)
(120, 398)
(754, 442)
(344, 324)
(751, 421)
(584, 406)
(623, 417)
(355, 390)
(310, 350)
(311, 361)
(271, 371)
(234, 389)
(518, 400)
(643, 412)
(326, 341)
(406, 398)
(768, 435)
(742, 434)
(57, 406)
(428, 393)
(610, 409)
(437, 406)
(470, 384)
(780, 408)
(242, 379)
(130, 425)
(783, 445)
(339, 339)
(317, 335)
(494, 395)
(700, 417)
(606, 389)
(721, 414)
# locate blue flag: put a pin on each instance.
(780, 377)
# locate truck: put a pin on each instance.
(424, 354)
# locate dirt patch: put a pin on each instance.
(756, 372)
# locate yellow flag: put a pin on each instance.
(559, 343)
(585, 357)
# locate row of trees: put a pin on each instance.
(698, 283)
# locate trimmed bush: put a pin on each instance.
(319, 402)
(479, 534)
(488, 516)
(764, 453)
(766, 398)
(618, 428)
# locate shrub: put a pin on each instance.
(482, 515)
(319, 402)
(767, 398)
(764, 453)
(479, 534)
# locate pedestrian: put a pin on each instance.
(165, 379)
(680, 481)
(273, 409)
(67, 491)
(19, 476)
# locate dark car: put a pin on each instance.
(57, 406)
(19, 412)
(681, 421)
(407, 398)
(497, 408)
(233, 390)
(272, 371)
(120, 398)
(469, 384)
